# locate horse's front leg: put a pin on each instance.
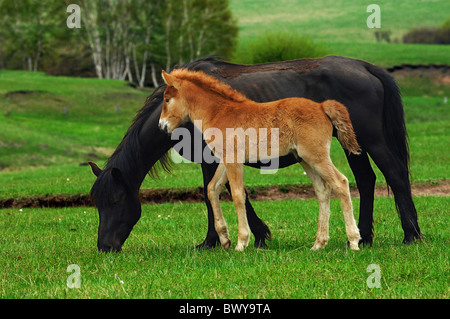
(235, 173)
(212, 238)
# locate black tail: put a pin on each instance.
(394, 127)
(396, 138)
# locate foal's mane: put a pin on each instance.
(209, 83)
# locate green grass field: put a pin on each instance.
(50, 125)
(159, 260)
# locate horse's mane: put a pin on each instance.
(129, 152)
(210, 83)
(130, 147)
(128, 155)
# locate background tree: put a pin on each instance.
(126, 39)
(28, 29)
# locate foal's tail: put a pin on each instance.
(340, 119)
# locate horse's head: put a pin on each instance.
(119, 208)
(174, 112)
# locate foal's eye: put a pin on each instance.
(167, 100)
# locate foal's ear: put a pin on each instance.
(95, 169)
(167, 77)
(170, 80)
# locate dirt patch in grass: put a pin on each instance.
(194, 195)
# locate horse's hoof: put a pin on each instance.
(208, 244)
(260, 244)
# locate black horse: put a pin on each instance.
(369, 92)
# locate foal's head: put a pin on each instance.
(174, 112)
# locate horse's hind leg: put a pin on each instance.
(323, 193)
(396, 174)
(213, 191)
(340, 185)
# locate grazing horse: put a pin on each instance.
(370, 94)
(304, 129)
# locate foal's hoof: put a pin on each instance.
(240, 247)
(353, 246)
(319, 244)
(227, 244)
(317, 247)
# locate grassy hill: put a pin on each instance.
(41, 148)
(341, 26)
(54, 120)
(49, 125)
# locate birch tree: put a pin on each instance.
(126, 39)
(28, 26)
(196, 28)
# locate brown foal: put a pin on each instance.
(302, 127)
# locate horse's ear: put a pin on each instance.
(95, 169)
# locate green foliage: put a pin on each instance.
(428, 36)
(119, 38)
(439, 35)
(275, 46)
(29, 30)
(446, 24)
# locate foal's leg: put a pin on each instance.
(340, 185)
(214, 188)
(323, 193)
(235, 174)
(257, 226)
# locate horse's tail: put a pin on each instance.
(340, 119)
(394, 127)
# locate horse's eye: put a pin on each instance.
(167, 100)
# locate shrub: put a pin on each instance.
(279, 46)
(429, 35)
(446, 25)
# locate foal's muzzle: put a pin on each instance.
(164, 125)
